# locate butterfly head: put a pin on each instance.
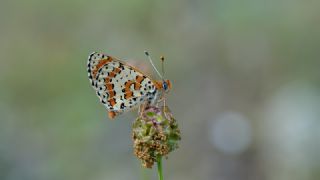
(164, 85)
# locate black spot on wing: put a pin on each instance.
(121, 66)
(122, 106)
(90, 56)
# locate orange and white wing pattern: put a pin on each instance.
(119, 86)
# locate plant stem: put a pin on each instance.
(159, 164)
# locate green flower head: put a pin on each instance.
(155, 133)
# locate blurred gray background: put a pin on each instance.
(246, 88)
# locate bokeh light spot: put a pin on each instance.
(230, 133)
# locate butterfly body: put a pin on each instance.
(121, 87)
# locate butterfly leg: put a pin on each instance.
(139, 110)
(142, 107)
(165, 109)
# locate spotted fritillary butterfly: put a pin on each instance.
(121, 87)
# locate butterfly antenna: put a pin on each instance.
(154, 67)
(162, 65)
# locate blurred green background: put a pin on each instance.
(246, 88)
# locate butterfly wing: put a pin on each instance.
(119, 86)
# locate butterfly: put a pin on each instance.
(122, 87)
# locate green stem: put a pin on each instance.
(159, 163)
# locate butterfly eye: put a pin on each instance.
(165, 85)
